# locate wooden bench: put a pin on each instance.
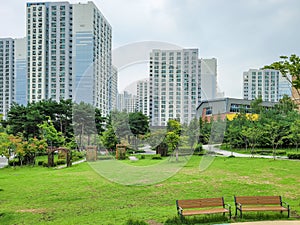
(202, 206)
(260, 203)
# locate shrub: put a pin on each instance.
(263, 152)
(293, 155)
(156, 156)
(14, 162)
(142, 157)
(280, 152)
(40, 163)
(61, 162)
(77, 156)
(198, 148)
(45, 164)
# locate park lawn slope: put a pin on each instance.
(78, 195)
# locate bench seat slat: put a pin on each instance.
(251, 200)
(260, 203)
(199, 203)
(265, 208)
(207, 211)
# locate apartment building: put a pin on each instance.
(174, 85)
(264, 83)
(20, 71)
(68, 53)
(143, 97)
(208, 71)
(7, 79)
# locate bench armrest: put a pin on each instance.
(180, 210)
(238, 205)
(228, 205)
(286, 204)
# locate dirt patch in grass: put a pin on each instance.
(153, 222)
(32, 210)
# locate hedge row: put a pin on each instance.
(293, 155)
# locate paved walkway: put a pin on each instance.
(216, 149)
(73, 163)
(281, 222)
(3, 161)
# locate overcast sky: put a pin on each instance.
(241, 34)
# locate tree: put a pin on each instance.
(204, 131)
(172, 139)
(84, 122)
(174, 126)
(16, 146)
(155, 137)
(120, 124)
(217, 132)
(24, 119)
(1, 123)
(109, 138)
(138, 124)
(252, 134)
(50, 134)
(256, 106)
(5, 145)
(289, 65)
(193, 131)
(295, 133)
(285, 105)
(275, 128)
(100, 121)
(31, 148)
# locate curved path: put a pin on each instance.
(3, 161)
(279, 222)
(216, 149)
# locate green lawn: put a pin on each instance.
(79, 195)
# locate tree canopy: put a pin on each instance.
(288, 65)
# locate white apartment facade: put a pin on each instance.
(143, 97)
(208, 71)
(7, 79)
(68, 53)
(174, 85)
(92, 43)
(113, 88)
(49, 51)
(260, 82)
(127, 102)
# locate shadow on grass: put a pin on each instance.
(212, 219)
(249, 217)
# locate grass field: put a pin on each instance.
(79, 195)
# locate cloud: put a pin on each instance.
(240, 34)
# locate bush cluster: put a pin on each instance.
(269, 152)
(293, 155)
(14, 162)
(156, 156)
(77, 156)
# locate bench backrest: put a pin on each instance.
(258, 200)
(200, 203)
